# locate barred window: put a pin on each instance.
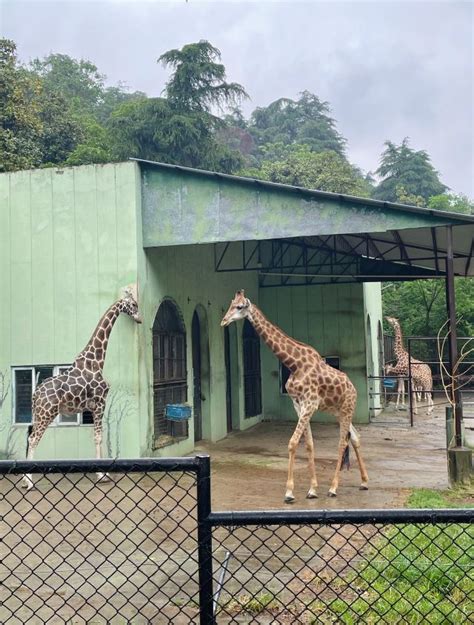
(252, 373)
(169, 367)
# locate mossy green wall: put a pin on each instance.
(69, 243)
(331, 319)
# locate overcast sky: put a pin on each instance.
(388, 69)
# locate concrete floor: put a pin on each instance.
(249, 469)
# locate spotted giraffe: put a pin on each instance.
(80, 387)
(312, 385)
(422, 380)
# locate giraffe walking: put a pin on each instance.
(421, 378)
(81, 387)
(313, 385)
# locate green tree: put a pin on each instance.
(79, 82)
(452, 202)
(151, 129)
(61, 131)
(20, 123)
(95, 146)
(198, 81)
(306, 121)
(403, 167)
(421, 307)
(298, 165)
(181, 128)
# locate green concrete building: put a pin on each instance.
(71, 239)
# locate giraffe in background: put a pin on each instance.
(422, 380)
(313, 385)
(81, 387)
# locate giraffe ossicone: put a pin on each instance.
(82, 386)
(312, 385)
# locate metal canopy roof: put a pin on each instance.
(293, 235)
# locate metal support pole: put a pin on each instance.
(410, 385)
(452, 339)
(204, 530)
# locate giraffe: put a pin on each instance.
(312, 385)
(390, 370)
(422, 381)
(80, 387)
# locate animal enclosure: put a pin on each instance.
(147, 548)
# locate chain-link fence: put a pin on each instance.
(144, 547)
(118, 551)
(346, 570)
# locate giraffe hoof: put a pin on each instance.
(332, 493)
(289, 499)
(312, 495)
(363, 487)
(27, 483)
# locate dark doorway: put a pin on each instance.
(252, 374)
(169, 368)
(197, 376)
(228, 379)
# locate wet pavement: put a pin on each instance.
(249, 468)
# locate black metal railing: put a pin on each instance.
(145, 547)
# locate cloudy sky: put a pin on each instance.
(388, 69)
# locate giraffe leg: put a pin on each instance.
(312, 494)
(430, 402)
(98, 431)
(35, 433)
(344, 430)
(305, 413)
(413, 399)
(355, 440)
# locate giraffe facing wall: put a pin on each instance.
(82, 386)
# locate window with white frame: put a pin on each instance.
(25, 381)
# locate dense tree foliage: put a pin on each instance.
(421, 308)
(452, 203)
(198, 80)
(401, 167)
(304, 121)
(298, 165)
(20, 123)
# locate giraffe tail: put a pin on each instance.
(30, 430)
(345, 458)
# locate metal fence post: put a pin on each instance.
(205, 541)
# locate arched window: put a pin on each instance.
(169, 364)
(252, 375)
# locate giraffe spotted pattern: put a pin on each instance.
(82, 386)
(422, 380)
(312, 385)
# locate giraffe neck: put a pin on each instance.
(400, 351)
(276, 339)
(96, 348)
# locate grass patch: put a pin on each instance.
(459, 497)
(416, 573)
(253, 605)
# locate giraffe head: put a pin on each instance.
(393, 322)
(128, 305)
(238, 309)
